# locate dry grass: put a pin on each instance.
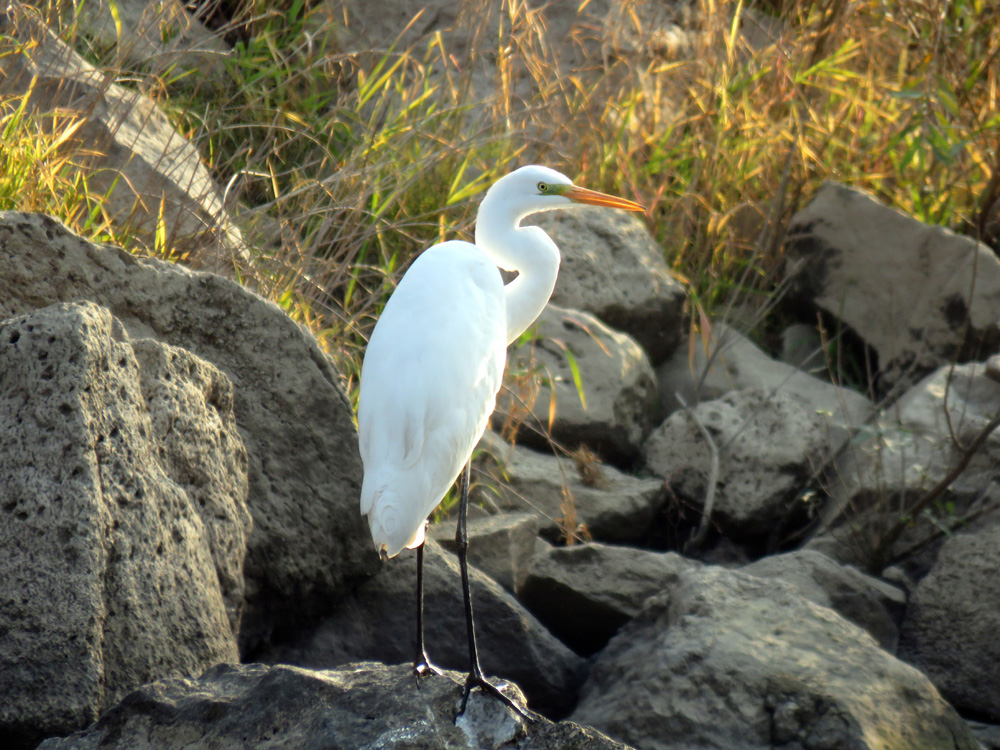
(349, 163)
(341, 165)
(38, 174)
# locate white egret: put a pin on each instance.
(434, 363)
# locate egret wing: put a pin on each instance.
(430, 376)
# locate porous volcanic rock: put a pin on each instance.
(895, 461)
(613, 268)
(728, 361)
(597, 386)
(121, 557)
(285, 708)
(309, 542)
(951, 625)
(728, 660)
(866, 601)
(378, 622)
(611, 505)
(501, 546)
(768, 445)
(584, 593)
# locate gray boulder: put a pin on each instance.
(768, 445)
(866, 601)
(584, 593)
(121, 552)
(190, 407)
(915, 293)
(286, 708)
(951, 627)
(728, 660)
(309, 542)
(987, 734)
(803, 347)
(729, 361)
(611, 506)
(895, 461)
(378, 622)
(500, 546)
(613, 268)
(618, 405)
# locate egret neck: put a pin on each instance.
(527, 250)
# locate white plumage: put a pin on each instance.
(435, 359)
(434, 362)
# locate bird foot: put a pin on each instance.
(479, 681)
(422, 667)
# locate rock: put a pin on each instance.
(916, 294)
(612, 267)
(987, 734)
(731, 362)
(378, 622)
(586, 592)
(161, 37)
(728, 660)
(618, 385)
(286, 708)
(610, 507)
(893, 463)
(190, 406)
(121, 554)
(768, 445)
(309, 542)
(993, 368)
(125, 145)
(500, 546)
(950, 628)
(652, 31)
(868, 602)
(802, 348)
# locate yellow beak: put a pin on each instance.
(593, 198)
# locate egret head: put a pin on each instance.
(536, 188)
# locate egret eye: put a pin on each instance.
(542, 187)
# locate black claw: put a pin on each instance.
(479, 681)
(423, 667)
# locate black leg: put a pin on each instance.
(476, 677)
(421, 663)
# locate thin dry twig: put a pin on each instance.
(883, 551)
(698, 536)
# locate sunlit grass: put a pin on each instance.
(340, 163)
(861, 93)
(39, 171)
(348, 162)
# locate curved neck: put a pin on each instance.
(527, 250)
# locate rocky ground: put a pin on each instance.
(762, 555)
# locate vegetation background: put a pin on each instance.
(341, 163)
